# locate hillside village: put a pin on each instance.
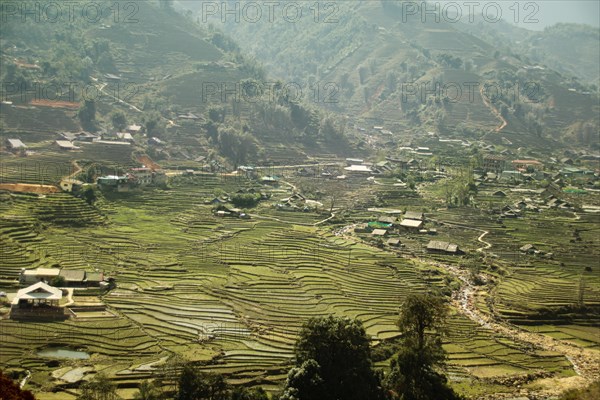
(181, 223)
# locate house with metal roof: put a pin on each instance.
(379, 232)
(437, 246)
(15, 144)
(66, 145)
(414, 215)
(411, 224)
(29, 276)
(73, 277)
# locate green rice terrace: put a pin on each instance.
(232, 293)
(229, 181)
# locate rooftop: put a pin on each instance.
(94, 276)
(73, 275)
(124, 135)
(65, 144)
(379, 232)
(38, 291)
(530, 162)
(411, 223)
(16, 144)
(442, 246)
(358, 168)
(413, 215)
(42, 272)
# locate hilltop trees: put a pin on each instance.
(414, 374)
(333, 361)
(237, 146)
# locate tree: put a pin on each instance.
(87, 115)
(89, 195)
(9, 390)
(153, 124)
(169, 374)
(99, 388)
(195, 384)
(58, 281)
(333, 361)
(304, 382)
(329, 131)
(119, 121)
(245, 200)
(237, 146)
(414, 374)
(217, 114)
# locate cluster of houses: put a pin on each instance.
(298, 202)
(222, 203)
(67, 140)
(412, 221)
(358, 167)
(226, 211)
(497, 167)
(517, 209)
(389, 228)
(134, 178)
(126, 138)
(539, 200)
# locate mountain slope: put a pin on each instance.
(412, 75)
(153, 64)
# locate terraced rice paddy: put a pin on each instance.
(233, 293)
(484, 354)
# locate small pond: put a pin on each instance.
(63, 352)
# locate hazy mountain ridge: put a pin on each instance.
(377, 56)
(571, 49)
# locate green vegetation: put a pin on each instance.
(333, 361)
(416, 75)
(195, 384)
(414, 372)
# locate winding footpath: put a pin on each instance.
(494, 110)
(586, 362)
